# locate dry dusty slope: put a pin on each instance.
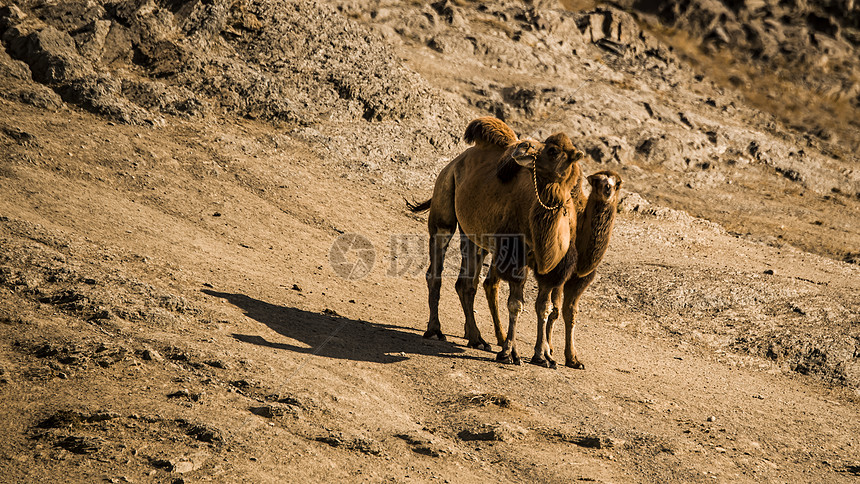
(170, 311)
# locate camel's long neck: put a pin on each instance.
(551, 194)
(550, 229)
(595, 228)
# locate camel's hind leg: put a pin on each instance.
(439, 239)
(573, 290)
(516, 284)
(467, 286)
(491, 288)
(544, 310)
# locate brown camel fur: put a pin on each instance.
(592, 241)
(593, 230)
(523, 220)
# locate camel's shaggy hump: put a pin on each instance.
(491, 131)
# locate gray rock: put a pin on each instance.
(451, 14)
(275, 410)
(103, 95)
(10, 15)
(151, 355)
(451, 44)
(631, 202)
(51, 54)
(502, 432)
(188, 463)
(205, 433)
(352, 442)
(12, 68)
(91, 41)
(664, 149)
(425, 443)
(606, 149)
(81, 444)
(592, 441)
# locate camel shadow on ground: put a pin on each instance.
(335, 336)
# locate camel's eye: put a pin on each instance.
(552, 152)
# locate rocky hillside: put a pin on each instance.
(796, 59)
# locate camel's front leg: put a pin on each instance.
(543, 354)
(573, 290)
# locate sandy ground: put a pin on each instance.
(176, 317)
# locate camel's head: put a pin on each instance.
(605, 184)
(555, 159)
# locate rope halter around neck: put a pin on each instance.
(537, 194)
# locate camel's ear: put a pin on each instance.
(525, 153)
(592, 179)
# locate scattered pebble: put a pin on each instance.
(501, 432)
(272, 411)
(151, 355)
(185, 393)
(81, 445)
(217, 364)
(183, 467)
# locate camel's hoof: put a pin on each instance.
(435, 334)
(480, 345)
(510, 359)
(544, 362)
(575, 364)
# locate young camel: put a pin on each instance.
(593, 228)
(522, 216)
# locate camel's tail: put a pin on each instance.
(489, 130)
(420, 207)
